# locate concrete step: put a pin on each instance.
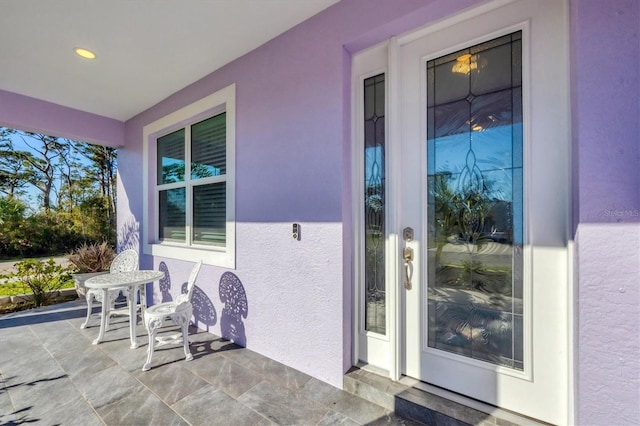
(427, 404)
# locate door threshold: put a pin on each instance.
(424, 403)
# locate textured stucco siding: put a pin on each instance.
(608, 315)
(606, 127)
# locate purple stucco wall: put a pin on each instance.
(34, 115)
(606, 125)
(292, 165)
(607, 117)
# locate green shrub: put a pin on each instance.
(48, 234)
(39, 278)
(12, 213)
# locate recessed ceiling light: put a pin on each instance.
(85, 53)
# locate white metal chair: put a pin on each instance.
(125, 261)
(179, 311)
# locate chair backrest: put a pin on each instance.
(125, 261)
(190, 284)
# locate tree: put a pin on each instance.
(102, 169)
(70, 174)
(15, 173)
(12, 215)
(44, 167)
(77, 186)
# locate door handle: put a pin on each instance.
(407, 254)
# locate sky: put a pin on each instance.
(32, 193)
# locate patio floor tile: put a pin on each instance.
(52, 374)
(282, 405)
(85, 361)
(333, 418)
(343, 402)
(171, 383)
(224, 374)
(141, 407)
(268, 369)
(211, 406)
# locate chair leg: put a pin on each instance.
(152, 325)
(89, 297)
(185, 339)
(182, 319)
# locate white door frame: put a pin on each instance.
(380, 351)
(392, 364)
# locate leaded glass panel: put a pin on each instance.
(374, 204)
(475, 202)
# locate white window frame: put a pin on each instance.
(214, 104)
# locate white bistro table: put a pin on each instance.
(127, 281)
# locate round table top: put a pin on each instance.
(123, 279)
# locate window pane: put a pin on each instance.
(210, 214)
(209, 147)
(374, 204)
(171, 158)
(172, 206)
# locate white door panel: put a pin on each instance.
(504, 347)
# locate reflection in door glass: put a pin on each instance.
(474, 211)
(374, 204)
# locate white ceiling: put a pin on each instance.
(146, 49)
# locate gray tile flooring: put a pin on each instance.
(51, 374)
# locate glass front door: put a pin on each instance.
(483, 182)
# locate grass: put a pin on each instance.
(15, 288)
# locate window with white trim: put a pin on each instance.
(189, 163)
